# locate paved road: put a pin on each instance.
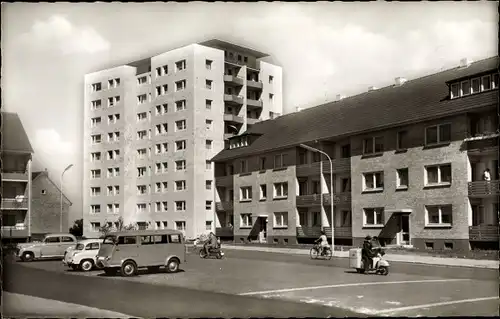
(266, 284)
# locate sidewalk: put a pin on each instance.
(416, 259)
(22, 306)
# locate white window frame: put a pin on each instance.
(245, 193)
(246, 220)
(208, 205)
(439, 176)
(458, 91)
(398, 178)
(182, 203)
(183, 125)
(440, 216)
(141, 171)
(142, 99)
(96, 139)
(438, 142)
(142, 135)
(95, 173)
(95, 209)
(95, 121)
(180, 225)
(208, 64)
(486, 79)
(95, 191)
(398, 139)
(208, 165)
(208, 184)
(208, 104)
(141, 154)
(282, 158)
(180, 65)
(374, 210)
(180, 145)
(461, 87)
(180, 185)
(280, 220)
(140, 78)
(209, 84)
(209, 144)
(373, 177)
(95, 226)
(183, 162)
(209, 124)
(262, 188)
(180, 85)
(96, 87)
(95, 105)
(142, 117)
(472, 86)
(141, 207)
(161, 109)
(95, 156)
(180, 105)
(279, 190)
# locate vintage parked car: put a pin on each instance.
(52, 246)
(83, 255)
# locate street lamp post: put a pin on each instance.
(312, 149)
(61, 213)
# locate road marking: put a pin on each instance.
(349, 285)
(437, 304)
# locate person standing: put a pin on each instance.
(487, 179)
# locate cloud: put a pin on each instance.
(58, 32)
(49, 143)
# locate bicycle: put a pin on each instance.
(317, 251)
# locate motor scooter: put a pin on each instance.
(379, 264)
(216, 252)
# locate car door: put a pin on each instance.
(66, 242)
(127, 247)
(91, 250)
(50, 246)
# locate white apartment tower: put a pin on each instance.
(152, 126)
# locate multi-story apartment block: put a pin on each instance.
(152, 126)
(408, 165)
(16, 180)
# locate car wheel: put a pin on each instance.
(86, 265)
(28, 256)
(173, 265)
(129, 268)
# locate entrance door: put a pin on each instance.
(404, 234)
(263, 229)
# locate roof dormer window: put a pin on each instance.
(473, 85)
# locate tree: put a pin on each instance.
(77, 228)
(120, 225)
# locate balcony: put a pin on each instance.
(482, 144)
(224, 206)
(315, 199)
(15, 176)
(309, 231)
(224, 181)
(231, 118)
(14, 232)
(233, 80)
(11, 203)
(484, 188)
(339, 165)
(254, 84)
(338, 199)
(340, 232)
(224, 232)
(483, 233)
(233, 99)
(308, 200)
(252, 121)
(253, 104)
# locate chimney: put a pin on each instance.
(298, 108)
(400, 81)
(465, 62)
(371, 88)
(339, 97)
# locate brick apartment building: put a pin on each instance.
(16, 156)
(408, 163)
(152, 126)
(46, 206)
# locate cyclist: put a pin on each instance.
(323, 242)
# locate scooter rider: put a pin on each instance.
(211, 243)
(367, 253)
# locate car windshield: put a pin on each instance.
(109, 240)
(79, 247)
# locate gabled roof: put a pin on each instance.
(416, 100)
(14, 137)
(35, 175)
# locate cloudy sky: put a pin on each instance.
(325, 49)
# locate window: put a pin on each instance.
(113, 137)
(141, 171)
(95, 226)
(239, 57)
(141, 207)
(161, 148)
(208, 225)
(402, 182)
(455, 90)
(113, 119)
(243, 166)
(346, 151)
(208, 205)
(246, 220)
(208, 104)
(271, 98)
(180, 145)
(476, 85)
(95, 191)
(180, 165)
(346, 218)
(161, 71)
(263, 191)
(143, 116)
(208, 144)
(246, 193)
(112, 101)
(161, 167)
(208, 165)
(180, 205)
(271, 78)
(113, 190)
(346, 185)
(373, 216)
(142, 80)
(281, 219)
(112, 155)
(438, 134)
(113, 172)
(96, 104)
(142, 189)
(127, 240)
(161, 109)
(142, 135)
(208, 84)
(373, 145)
(181, 65)
(465, 86)
(281, 190)
(208, 64)
(438, 175)
(486, 83)
(141, 153)
(438, 215)
(95, 209)
(113, 83)
(96, 87)
(245, 59)
(113, 208)
(209, 125)
(402, 140)
(280, 161)
(373, 181)
(180, 85)
(141, 99)
(262, 163)
(95, 121)
(96, 139)
(180, 125)
(162, 89)
(95, 173)
(495, 81)
(180, 185)
(208, 184)
(161, 129)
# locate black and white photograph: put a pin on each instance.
(250, 159)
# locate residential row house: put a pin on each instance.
(414, 163)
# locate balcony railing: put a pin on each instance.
(483, 233)
(309, 231)
(254, 84)
(233, 118)
(340, 232)
(339, 165)
(482, 143)
(12, 203)
(224, 232)
(22, 176)
(254, 103)
(315, 199)
(14, 232)
(484, 188)
(224, 206)
(338, 198)
(233, 79)
(224, 180)
(233, 99)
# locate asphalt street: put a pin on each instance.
(246, 284)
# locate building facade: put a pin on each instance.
(152, 126)
(46, 206)
(408, 165)
(16, 180)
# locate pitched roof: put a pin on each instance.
(35, 175)
(14, 137)
(416, 100)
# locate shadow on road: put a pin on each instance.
(143, 272)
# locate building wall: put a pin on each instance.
(46, 207)
(417, 196)
(275, 88)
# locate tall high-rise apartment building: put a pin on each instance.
(152, 126)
